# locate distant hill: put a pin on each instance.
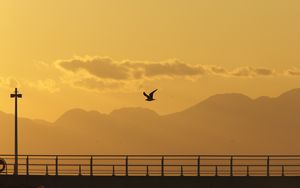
(221, 124)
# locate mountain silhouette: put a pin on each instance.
(222, 124)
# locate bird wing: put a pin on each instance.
(151, 94)
(146, 95)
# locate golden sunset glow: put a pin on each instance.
(230, 35)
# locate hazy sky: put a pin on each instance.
(102, 54)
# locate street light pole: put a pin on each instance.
(16, 95)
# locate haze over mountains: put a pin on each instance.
(221, 124)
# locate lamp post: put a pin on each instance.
(16, 95)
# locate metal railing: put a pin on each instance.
(154, 165)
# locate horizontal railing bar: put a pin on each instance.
(166, 165)
(168, 159)
(72, 155)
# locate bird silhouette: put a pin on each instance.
(150, 96)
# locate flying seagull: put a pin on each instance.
(150, 96)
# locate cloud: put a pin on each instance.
(217, 70)
(293, 72)
(44, 85)
(104, 73)
(264, 71)
(9, 83)
(251, 72)
(104, 68)
(101, 73)
(171, 69)
(108, 69)
(97, 85)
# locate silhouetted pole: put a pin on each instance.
(16, 95)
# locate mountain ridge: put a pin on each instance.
(214, 98)
(224, 123)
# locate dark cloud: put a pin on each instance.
(264, 71)
(100, 73)
(106, 68)
(103, 68)
(104, 73)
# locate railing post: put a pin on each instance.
(147, 171)
(126, 166)
(282, 170)
(198, 166)
(216, 170)
(79, 171)
(91, 166)
(47, 173)
(181, 171)
(27, 165)
(248, 173)
(231, 166)
(268, 166)
(162, 166)
(56, 166)
(113, 170)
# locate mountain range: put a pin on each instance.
(222, 124)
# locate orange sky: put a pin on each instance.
(102, 54)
